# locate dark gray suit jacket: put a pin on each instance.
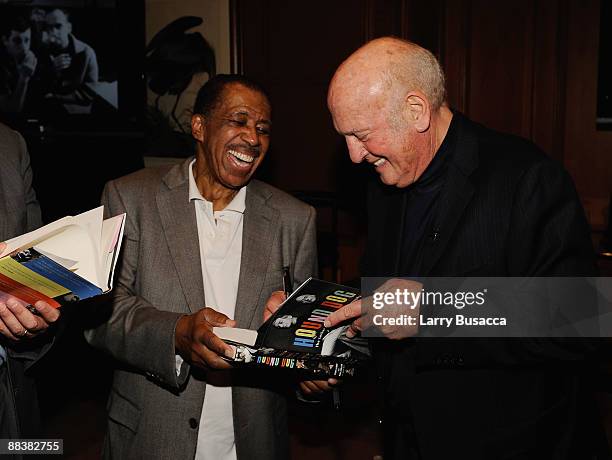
(19, 213)
(152, 412)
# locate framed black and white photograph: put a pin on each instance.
(186, 45)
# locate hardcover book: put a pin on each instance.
(295, 337)
(68, 260)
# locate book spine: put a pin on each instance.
(323, 366)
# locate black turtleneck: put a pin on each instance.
(420, 205)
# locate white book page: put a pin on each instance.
(329, 342)
(27, 240)
(112, 235)
(73, 238)
(91, 221)
(74, 243)
(235, 334)
(67, 263)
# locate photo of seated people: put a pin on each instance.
(51, 62)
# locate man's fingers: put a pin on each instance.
(2, 247)
(308, 388)
(6, 332)
(213, 360)
(30, 59)
(321, 385)
(304, 389)
(354, 328)
(203, 357)
(351, 332)
(62, 61)
(350, 311)
(276, 298)
(25, 317)
(214, 343)
(48, 313)
(10, 321)
(217, 318)
(273, 304)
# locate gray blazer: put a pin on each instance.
(19, 210)
(153, 413)
(19, 213)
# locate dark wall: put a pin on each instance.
(70, 169)
(294, 51)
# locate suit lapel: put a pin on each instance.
(259, 228)
(178, 220)
(456, 194)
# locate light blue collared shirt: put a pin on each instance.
(2, 355)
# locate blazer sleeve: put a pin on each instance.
(33, 214)
(32, 350)
(549, 234)
(128, 327)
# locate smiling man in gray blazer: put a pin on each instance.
(201, 234)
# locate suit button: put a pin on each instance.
(193, 423)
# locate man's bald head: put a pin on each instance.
(392, 66)
(387, 100)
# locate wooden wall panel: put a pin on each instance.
(455, 52)
(488, 57)
(384, 17)
(588, 152)
(294, 49)
(549, 76)
(501, 64)
(506, 66)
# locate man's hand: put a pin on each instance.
(196, 343)
(27, 67)
(352, 311)
(18, 323)
(61, 61)
(276, 298)
(315, 387)
(362, 318)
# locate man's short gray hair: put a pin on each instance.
(417, 69)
